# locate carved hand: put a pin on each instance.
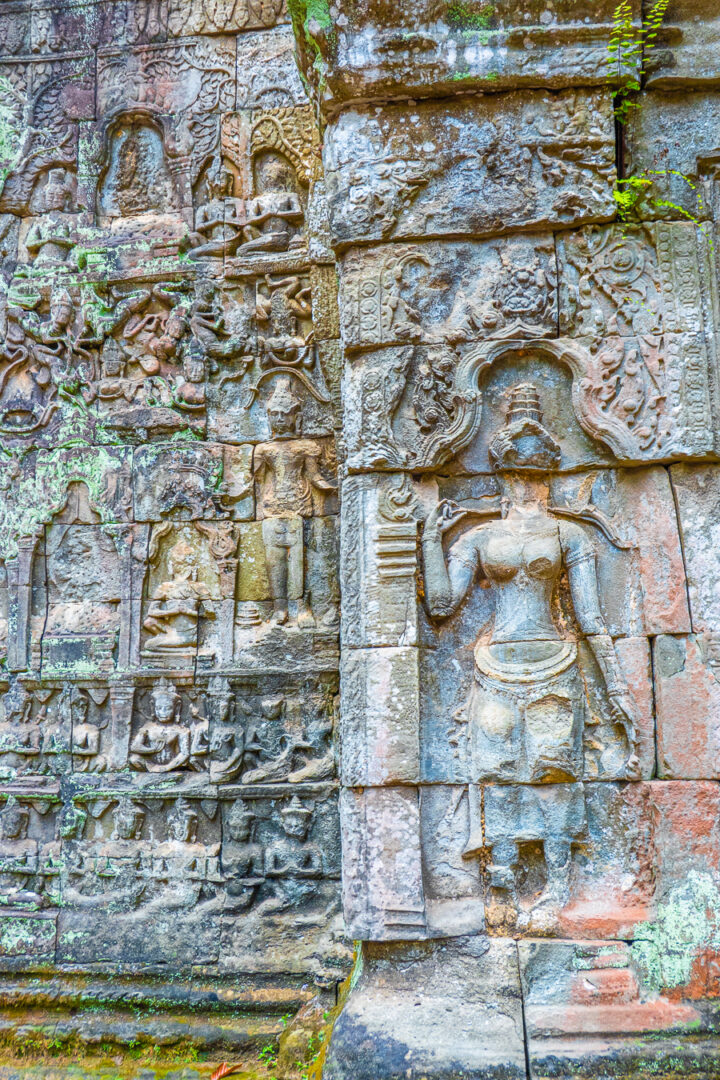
(445, 515)
(622, 711)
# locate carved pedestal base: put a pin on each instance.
(168, 659)
(437, 1010)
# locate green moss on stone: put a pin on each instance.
(469, 16)
(688, 921)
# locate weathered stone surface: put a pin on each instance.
(369, 50)
(688, 704)
(169, 595)
(454, 292)
(589, 1012)
(267, 75)
(379, 559)
(619, 398)
(357, 537)
(396, 1016)
(686, 53)
(675, 133)
(380, 705)
(383, 897)
(697, 491)
(478, 166)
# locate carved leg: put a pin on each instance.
(276, 561)
(557, 860)
(502, 902)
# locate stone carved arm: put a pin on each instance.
(446, 582)
(181, 758)
(257, 473)
(315, 477)
(579, 554)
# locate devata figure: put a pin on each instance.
(526, 710)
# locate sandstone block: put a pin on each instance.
(455, 292)
(368, 50)
(380, 706)
(379, 558)
(677, 133)
(697, 491)
(481, 166)
(396, 1016)
(688, 706)
(687, 50)
(383, 897)
(266, 71)
(589, 1012)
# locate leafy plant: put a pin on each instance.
(628, 47)
(631, 190)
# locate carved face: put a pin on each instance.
(182, 826)
(523, 443)
(194, 367)
(53, 194)
(128, 821)
(296, 823)
(220, 185)
(224, 704)
(13, 823)
(282, 409)
(282, 421)
(79, 709)
(273, 174)
(166, 707)
(239, 823)
(61, 312)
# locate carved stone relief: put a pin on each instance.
(358, 500)
(169, 402)
(476, 168)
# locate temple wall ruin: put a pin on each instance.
(360, 472)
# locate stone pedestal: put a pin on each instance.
(439, 1008)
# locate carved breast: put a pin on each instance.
(505, 554)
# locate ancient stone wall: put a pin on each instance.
(497, 437)
(530, 801)
(169, 600)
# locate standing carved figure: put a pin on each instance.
(525, 714)
(286, 470)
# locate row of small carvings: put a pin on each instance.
(85, 599)
(171, 481)
(270, 729)
(282, 730)
(108, 858)
(507, 162)
(180, 111)
(573, 860)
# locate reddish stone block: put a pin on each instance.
(688, 707)
(589, 1013)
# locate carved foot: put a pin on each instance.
(279, 616)
(305, 617)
